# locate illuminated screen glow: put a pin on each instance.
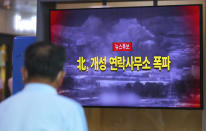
(167, 39)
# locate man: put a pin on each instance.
(38, 107)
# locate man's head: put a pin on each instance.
(43, 62)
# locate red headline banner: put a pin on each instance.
(122, 46)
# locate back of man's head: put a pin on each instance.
(44, 60)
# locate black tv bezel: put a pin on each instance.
(201, 56)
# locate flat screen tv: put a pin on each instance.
(142, 57)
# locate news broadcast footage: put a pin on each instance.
(146, 57)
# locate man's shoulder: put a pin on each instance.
(57, 99)
(68, 101)
(10, 100)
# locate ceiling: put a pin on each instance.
(30, 6)
(27, 6)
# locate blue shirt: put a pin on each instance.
(39, 108)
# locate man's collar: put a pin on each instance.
(40, 87)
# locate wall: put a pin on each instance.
(7, 23)
(143, 120)
(117, 119)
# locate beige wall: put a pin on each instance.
(116, 119)
(5, 22)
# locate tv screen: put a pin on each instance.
(145, 57)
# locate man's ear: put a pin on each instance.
(24, 74)
(60, 78)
